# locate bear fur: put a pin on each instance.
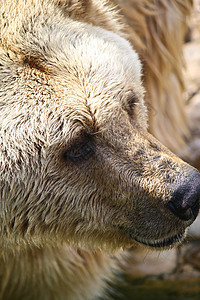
(81, 178)
(157, 30)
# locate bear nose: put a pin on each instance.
(186, 199)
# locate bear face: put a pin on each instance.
(77, 163)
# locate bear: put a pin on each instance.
(81, 177)
(150, 29)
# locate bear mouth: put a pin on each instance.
(162, 243)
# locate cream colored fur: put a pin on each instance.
(80, 175)
(157, 30)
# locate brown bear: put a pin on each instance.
(157, 30)
(81, 178)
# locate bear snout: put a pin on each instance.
(185, 201)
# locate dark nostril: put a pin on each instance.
(185, 201)
(184, 214)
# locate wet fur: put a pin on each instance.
(69, 79)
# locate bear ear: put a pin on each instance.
(74, 8)
(98, 13)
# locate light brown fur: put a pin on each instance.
(81, 177)
(157, 30)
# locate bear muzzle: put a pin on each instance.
(185, 201)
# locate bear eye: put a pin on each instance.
(80, 151)
(131, 100)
